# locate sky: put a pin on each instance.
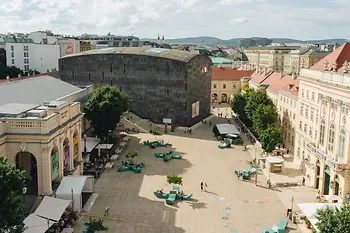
(225, 19)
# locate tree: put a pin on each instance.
(334, 220)
(11, 71)
(104, 108)
(11, 191)
(238, 104)
(131, 154)
(95, 225)
(263, 116)
(174, 179)
(255, 99)
(270, 137)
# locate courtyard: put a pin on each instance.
(229, 204)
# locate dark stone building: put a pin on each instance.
(161, 83)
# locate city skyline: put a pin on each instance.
(224, 19)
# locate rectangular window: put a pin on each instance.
(89, 75)
(124, 68)
(205, 69)
(345, 108)
(13, 61)
(307, 112)
(111, 68)
(302, 109)
(103, 75)
(214, 85)
(305, 128)
(167, 69)
(315, 134)
(312, 114)
(167, 92)
(294, 116)
(300, 125)
(234, 86)
(73, 74)
(310, 131)
(224, 86)
(313, 96)
(12, 48)
(12, 54)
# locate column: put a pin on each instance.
(45, 171)
(60, 157)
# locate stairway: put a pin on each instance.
(142, 123)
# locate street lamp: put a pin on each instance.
(24, 191)
(85, 150)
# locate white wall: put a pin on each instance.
(38, 37)
(42, 57)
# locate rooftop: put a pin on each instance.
(273, 48)
(338, 56)
(227, 73)
(15, 108)
(4, 40)
(221, 60)
(259, 77)
(145, 51)
(35, 90)
(277, 81)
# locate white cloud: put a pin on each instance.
(178, 18)
(238, 21)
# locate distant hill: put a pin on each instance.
(207, 40)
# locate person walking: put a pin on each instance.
(205, 186)
(106, 210)
(303, 182)
(318, 196)
(209, 123)
(202, 186)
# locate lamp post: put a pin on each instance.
(85, 150)
(24, 191)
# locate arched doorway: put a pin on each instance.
(317, 175)
(336, 185)
(76, 156)
(214, 98)
(55, 168)
(326, 180)
(223, 98)
(26, 161)
(66, 158)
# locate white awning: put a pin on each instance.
(105, 146)
(332, 197)
(310, 210)
(227, 129)
(275, 159)
(69, 183)
(91, 143)
(52, 208)
(36, 224)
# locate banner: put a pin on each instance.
(193, 110)
(197, 108)
(54, 166)
(66, 157)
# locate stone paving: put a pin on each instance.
(229, 204)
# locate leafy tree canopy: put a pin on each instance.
(334, 220)
(11, 191)
(263, 116)
(104, 108)
(95, 225)
(174, 179)
(11, 71)
(255, 99)
(238, 104)
(270, 137)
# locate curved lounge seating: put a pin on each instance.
(136, 169)
(159, 195)
(170, 200)
(176, 156)
(159, 155)
(253, 171)
(223, 145)
(166, 158)
(123, 169)
(187, 197)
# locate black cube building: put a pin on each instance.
(161, 83)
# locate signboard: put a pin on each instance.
(166, 121)
(76, 145)
(69, 49)
(193, 110)
(197, 108)
(54, 166)
(66, 157)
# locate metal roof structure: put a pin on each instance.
(144, 51)
(35, 90)
(16, 108)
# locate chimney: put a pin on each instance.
(297, 88)
(291, 86)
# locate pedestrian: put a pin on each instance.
(206, 186)
(106, 210)
(202, 186)
(303, 182)
(130, 117)
(189, 130)
(209, 123)
(318, 196)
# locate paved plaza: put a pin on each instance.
(229, 204)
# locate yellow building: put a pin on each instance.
(226, 82)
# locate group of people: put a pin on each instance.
(189, 130)
(204, 186)
(130, 162)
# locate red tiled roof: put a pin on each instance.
(54, 74)
(340, 55)
(276, 82)
(292, 87)
(260, 76)
(227, 73)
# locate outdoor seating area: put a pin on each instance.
(246, 174)
(173, 195)
(167, 156)
(130, 165)
(278, 228)
(155, 144)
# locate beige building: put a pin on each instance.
(301, 58)
(226, 82)
(268, 57)
(40, 136)
(45, 141)
(322, 142)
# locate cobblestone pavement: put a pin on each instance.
(229, 204)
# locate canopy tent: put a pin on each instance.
(72, 187)
(310, 210)
(91, 143)
(105, 146)
(36, 224)
(227, 129)
(332, 198)
(52, 208)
